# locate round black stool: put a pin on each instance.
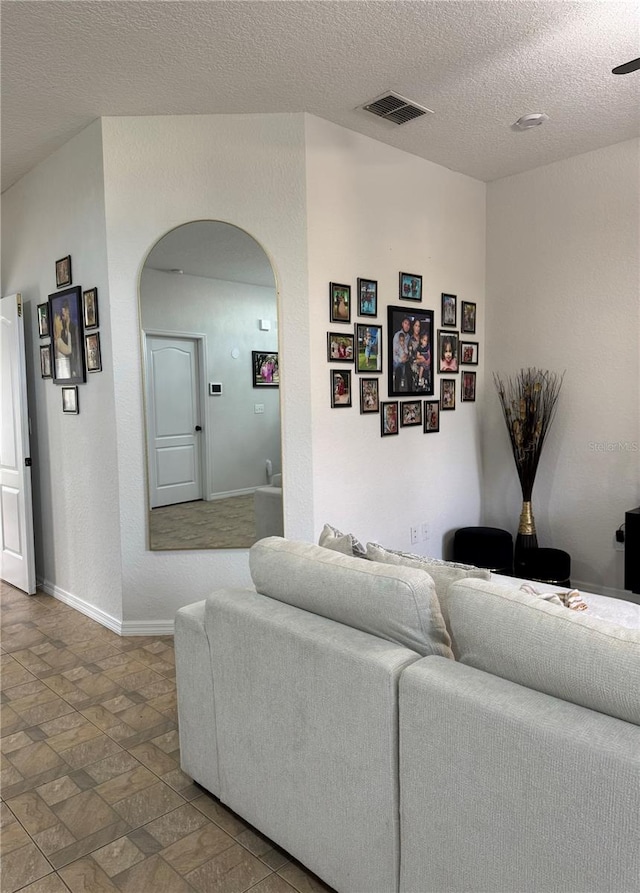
(546, 566)
(488, 547)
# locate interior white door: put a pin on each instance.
(173, 420)
(17, 556)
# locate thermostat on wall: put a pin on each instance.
(215, 388)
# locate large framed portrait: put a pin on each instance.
(65, 321)
(368, 348)
(367, 297)
(410, 352)
(266, 372)
(448, 343)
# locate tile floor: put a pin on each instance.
(92, 796)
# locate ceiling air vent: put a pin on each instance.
(395, 108)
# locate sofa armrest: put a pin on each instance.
(269, 516)
(504, 788)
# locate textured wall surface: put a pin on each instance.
(563, 275)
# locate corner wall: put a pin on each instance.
(563, 292)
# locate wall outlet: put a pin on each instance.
(425, 532)
(258, 408)
(414, 535)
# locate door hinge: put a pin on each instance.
(27, 462)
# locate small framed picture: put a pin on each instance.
(431, 416)
(369, 395)
(70, 400)
(447, 393)
(90, 305)
(469, 353)
(45, 361)
(468, 394)
(410, 287)
(63, 271)
(340, 302)
(368, 348)
(449, 310)
(339, 347)
(266, 372)
(410, 413)
(389, 417)
(367, 297)
(447, 351)
(468, 322)
(340, 387)
(92, 352)
(43, 320)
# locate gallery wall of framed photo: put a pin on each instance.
(415, 346)
(68, 326)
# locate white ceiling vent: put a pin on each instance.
(395, 108)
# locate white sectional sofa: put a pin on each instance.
(404, 730)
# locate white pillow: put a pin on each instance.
(346, 543)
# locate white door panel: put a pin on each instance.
(17, 551)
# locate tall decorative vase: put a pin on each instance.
(527, 537)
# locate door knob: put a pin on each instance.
(198, 428)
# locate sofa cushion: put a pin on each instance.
(547, 647)
(346, 543)
(397, 604)
(444, 573)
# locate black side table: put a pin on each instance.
(546, 566)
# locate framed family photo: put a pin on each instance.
(92, 348)
(431, 416)
(339, 302)
(389, 418)
(65, 321)
(449, 310)
(469, 353)
(367, 297)
(266, 372)
(368, 348)
(468, 322)
(410, 287)
(339, 347)
(90, 305)
(70, 400)
(45, 361)
(369, 395)
(43, 320)
(447, 393)
(468, 394)
(410, 413)
(410, 352)
(63, 271)
(340, 387)
(447, 351)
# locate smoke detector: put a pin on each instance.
(526, 122)
(395, 108)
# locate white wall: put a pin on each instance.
(58, 209)
(374, 211)
(563, 276)
(227, 314)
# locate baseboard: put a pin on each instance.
(122, 628)
(227, 493)
(610, 591)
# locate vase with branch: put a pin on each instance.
(528, 399)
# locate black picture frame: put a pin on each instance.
(63, 272)
(70, 400)
(431, 416)
(340, 347)
(369, 395)
(265, 368)
(447, 394)
(448, 360)
(368, 340)
(67, 334)
(449, 310)
(389, 423)
(43, 320)
(45, 361)
(90, 308)
(410, 287)
(340, 388)
(92, 352)
(468, 387)
(410, 413)
(339, 302)
(467, 317)
(468, 353)
(367, 297)
(412, 376)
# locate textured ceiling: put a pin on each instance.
(478, 65)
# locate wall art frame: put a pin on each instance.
(43, 320)
(265, 368)
(90, 308)
(468, 387)
(65, 322)
(92, 352)
(469, 352)
(447, 394)
(340, 347)
(368, 348)
(431, 416)
(389, 418)
(340, 388)
(448, 351)
(367, 297)
(45, 361)
(449, 310)
(410, 362)
(70, 400)
(369, 395)
(63, 272)
(339, 302)
(468, 317)
(410, 413)
(410, 287)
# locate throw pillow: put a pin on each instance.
(346, 543)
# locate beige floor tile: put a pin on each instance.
(154, 874)
(218, 813)
(154, 758)
(126, 785)
(86, 876)
(197, 848)
(273, 884)
(303, 881)
(9, 720)
(23, 866)
(147, 805)
(118, 856)
(85, 813)
(14, 742)
(112, 766)
(232, 871)
(51, 883)
(12, 838)
(33, 812)
(64, 740)
(14, 674)
(168, 742)
(35, 758)
(54, 839)
(89, 844)
(176, 824)
(90, 751)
